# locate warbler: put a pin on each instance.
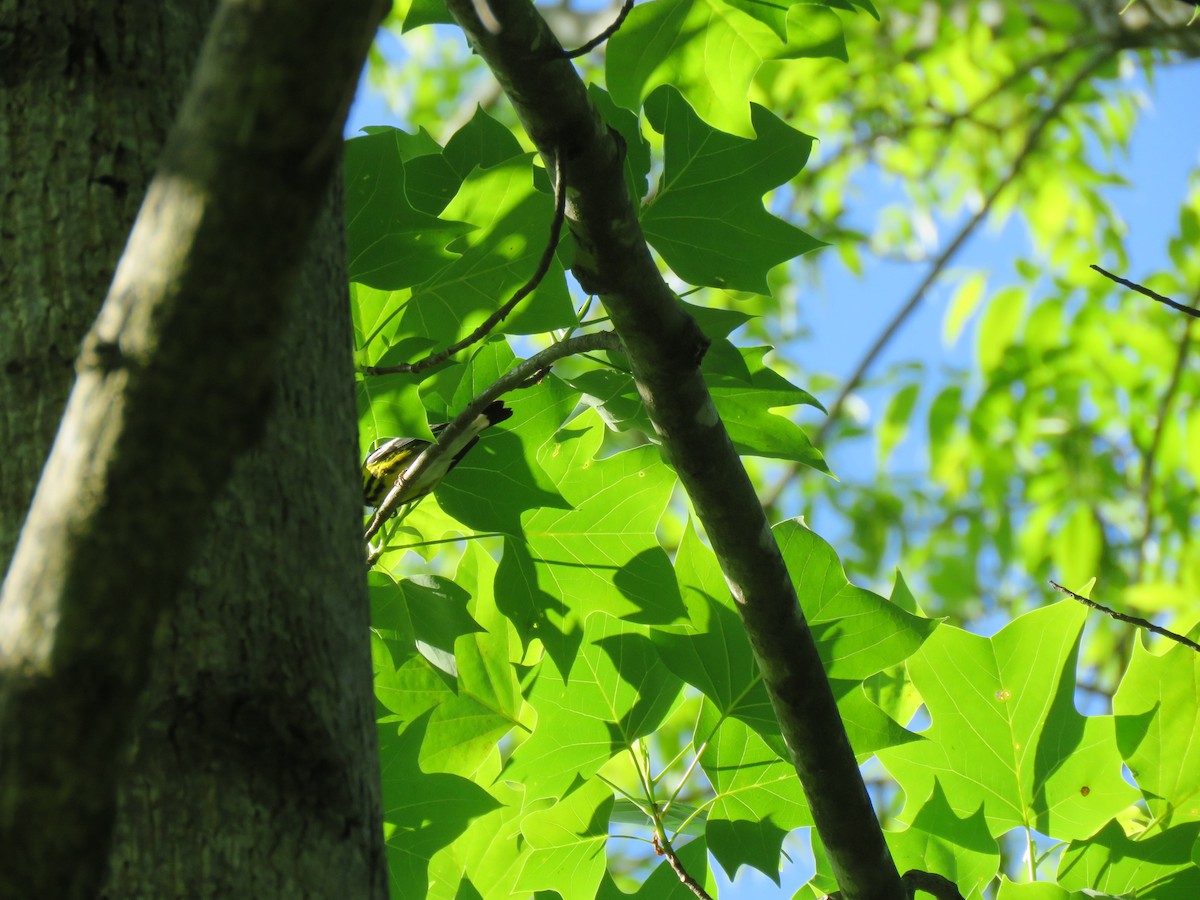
(384, 465)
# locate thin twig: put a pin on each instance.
(1145, 291)
(947, 120)
(1151, 456)
(1132, 620)
(560, 211)
(518, 376)
(602, 36)
(663, 846)
(965, 232)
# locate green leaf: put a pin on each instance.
(712, 652)
(1005, 732)
(602, 553)
(438, 610)
(715, 321)
(512, 221)
(423, 12)
(489, 854)
(663, 883)
(467, 725)
(501, 479)
(1158, 866)
(390, 406)
(1077, 545)
(617, 691)
(376, 320)
(945, 453)
(474, 711)
(868, 727)
(746, 404)
(422, 812)
(957, 848)
(707, 218)
(999, 325)
(1035, 890)
(710, 51)
(480, 144)
(962, 304)
(758, 796)
(814, 32)
(858, 633)
(390, 619)
(894, 427)
(1158, 729)
(410, 689)
(426, 609)
(637, 148)
(432, 175)
(389, 244)
(567, 844)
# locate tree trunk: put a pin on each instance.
(256, 769)
(253, 771)
(88, 91)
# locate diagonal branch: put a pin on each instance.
(485, 328)
(516, 377)
(914, 300)
(626, 9)
(1146, 292)
(665, 346)
(1150, 458)
(663, 846)
(1122, 617)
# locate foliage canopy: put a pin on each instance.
(568, 679)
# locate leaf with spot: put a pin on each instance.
(1005, 734)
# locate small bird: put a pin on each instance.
(384, 465)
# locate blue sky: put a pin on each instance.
(1165, 149)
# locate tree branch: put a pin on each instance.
(626, 9)
(515, 378)
(663, 846)
(173, 382)
(1146, 292)
(1122, 617)
(931, 883)
(1150, 458)
(918, 294)
(560, 207)
(665, 347)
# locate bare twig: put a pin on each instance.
(518, 376)
(560, 210)
(1145, 291)
(663, 846)
(1151, 455)
(602, 36)
(945, 120)
(1132, 620)
(914, 300)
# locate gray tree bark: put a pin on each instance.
(665, 347)
(88, 91)
(183, 630)
(255, 768)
